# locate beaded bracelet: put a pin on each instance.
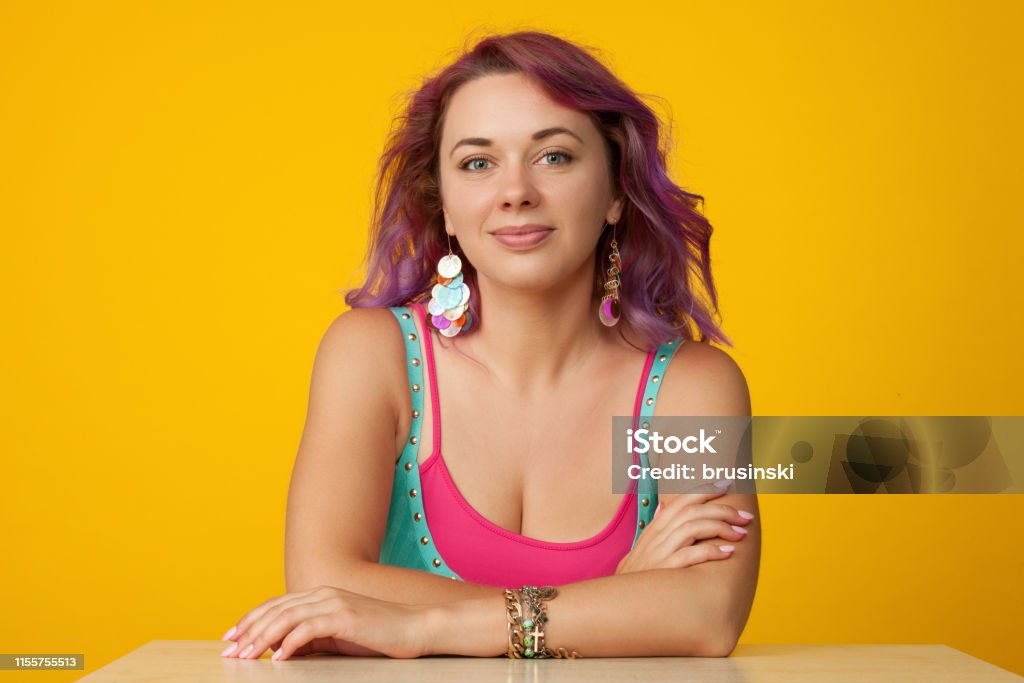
(526, 618)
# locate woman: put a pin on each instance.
(538, 262)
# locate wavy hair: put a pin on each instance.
(663, 239)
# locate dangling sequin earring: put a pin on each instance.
(610, 309)
(449, 298)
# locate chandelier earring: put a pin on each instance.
(449, 297)
(610, 310)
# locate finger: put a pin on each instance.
(702, 494)
(299, 652)
(671, 503)
(667, 517)
(265, 631)
(718, 511)
(303, 633)
(244, 645)
(697, 530)
(284, 621)
(239, 632)
(705, 487)
(245, 622)
(696, 554)
(305, 649)
(252, 615)
(676, 508)
(660, 548)
(672, 513)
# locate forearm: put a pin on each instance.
(386, 582)
(662, 612)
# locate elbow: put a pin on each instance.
(718, 645)
(721, 636)
(726, 619)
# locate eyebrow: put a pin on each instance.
(539, 135)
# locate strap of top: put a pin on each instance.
(407, 471)
(647, 489)
(414, 365)
(662, 357)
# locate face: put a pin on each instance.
(501, 165)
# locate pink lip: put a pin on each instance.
(523, 241)
(520, 229)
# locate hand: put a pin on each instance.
(678, 523)
(327, 619)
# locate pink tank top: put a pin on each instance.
(480, 551)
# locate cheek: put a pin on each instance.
(583, 192)
(467, 204)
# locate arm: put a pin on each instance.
(655, 613)
(707, 381)
(344, 469)
(341, 481)
(699, 610)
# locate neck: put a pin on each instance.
(534, 342)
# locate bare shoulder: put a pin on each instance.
(350, 428)
(366, 342)
(702, 379)
(368, 334)
(705, 380)
(365, 330)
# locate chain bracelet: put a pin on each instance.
(533, 622)
(524, 610)
(513, 611)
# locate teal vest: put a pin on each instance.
(407, 528)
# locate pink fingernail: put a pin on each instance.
(277, 654)
(738, 529)
(229, 649)
(744, 514)
(231, 632)
(727, 548)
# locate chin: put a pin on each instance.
(538, 280)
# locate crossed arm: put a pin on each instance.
(339, 481)
(692, 611)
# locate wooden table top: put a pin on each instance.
(198, 661)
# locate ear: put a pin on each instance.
(614, 214)
(447, 222)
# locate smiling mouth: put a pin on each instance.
(523, 240)
(521, 229)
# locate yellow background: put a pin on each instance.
(185, 189)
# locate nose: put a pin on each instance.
(517, 190)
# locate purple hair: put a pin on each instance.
(663, 240)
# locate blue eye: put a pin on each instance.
(568, 157)
(465, 164)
